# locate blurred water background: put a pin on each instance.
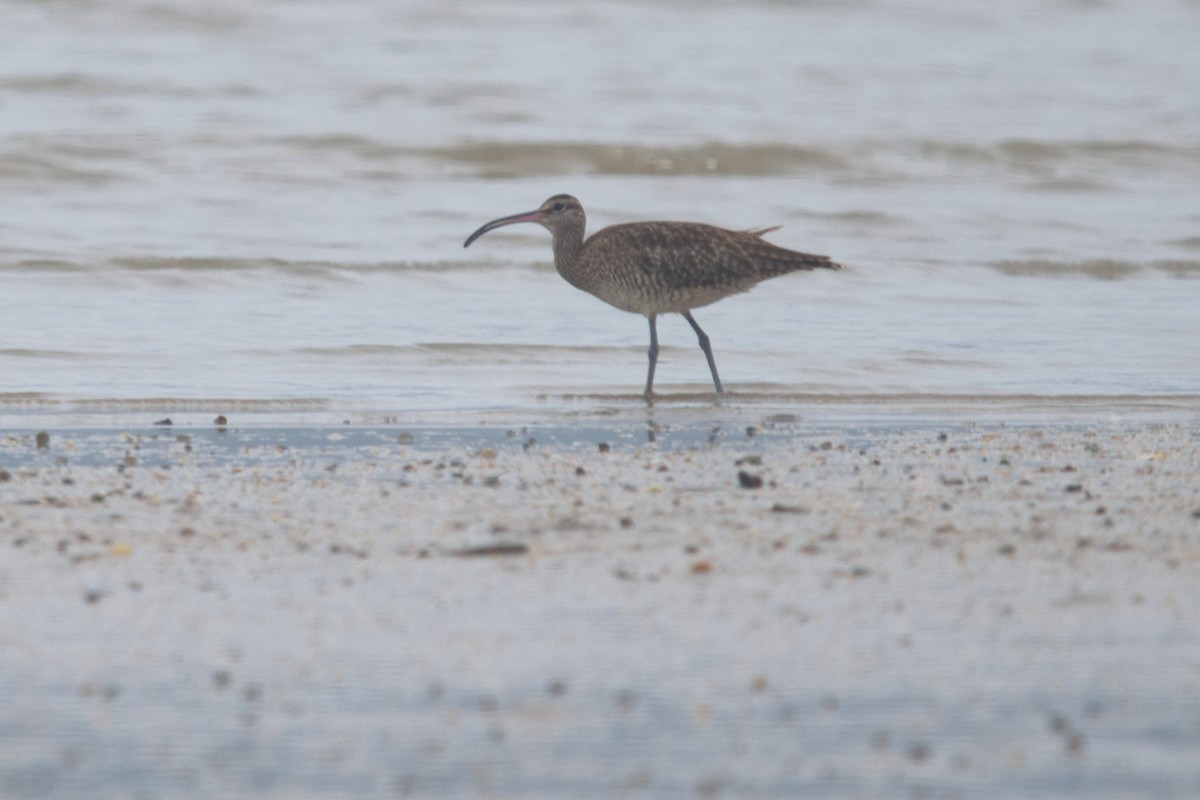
(265, 202)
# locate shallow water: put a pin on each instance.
(267, 204)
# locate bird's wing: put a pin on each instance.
(675, 254)
(688, 255)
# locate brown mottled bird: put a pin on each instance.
(653, 268)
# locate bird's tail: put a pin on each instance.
(775, 260)
(794, 261)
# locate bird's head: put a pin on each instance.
(560, 212)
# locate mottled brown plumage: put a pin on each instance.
(652, 268)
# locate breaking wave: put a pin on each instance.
(1103, 269)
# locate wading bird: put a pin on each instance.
(653, 268)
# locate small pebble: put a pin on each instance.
(919, 752)
(498, 549)
(749, 481)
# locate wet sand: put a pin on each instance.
(947, 610)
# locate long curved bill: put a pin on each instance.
(528, 216)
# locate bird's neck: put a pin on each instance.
(568, 248)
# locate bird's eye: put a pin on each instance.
(559, 206)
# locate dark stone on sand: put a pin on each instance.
(748, 480)
(164, 421)
(498, 549)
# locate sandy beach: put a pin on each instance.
(952, 610)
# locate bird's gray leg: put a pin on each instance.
(707, 348)
(653, 353)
